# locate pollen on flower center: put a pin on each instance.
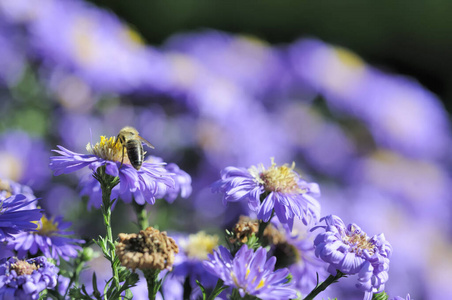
(23, 268)
(108, 149)
(200, 245)
(359, 242)
(46, 227)
(281, 179)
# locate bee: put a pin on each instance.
(132, 142)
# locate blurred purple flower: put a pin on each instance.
(251, 273)
(142, 185)
(314, 136)
(380, 100)
(14, 218)
(421, 187)
(350, 251)
(12, 56)
(25, 279)
(422, 133)
(10, 188)
(246, 61)
(282, 189)
(305, 266)
(51, 238)
(193, 250)
(24, 159)
(93, 44)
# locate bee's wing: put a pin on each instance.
(146, 142)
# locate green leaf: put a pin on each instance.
(203, 290)
(219, 287)
(380, 296)
(94, 282)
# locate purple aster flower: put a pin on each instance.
(182, 181)
(349, 250)
(25, 279)
(14, 218)
(182, 186)
(251, 273)
(51, 238)
(9, 188)
(283, 190)
(142, 185)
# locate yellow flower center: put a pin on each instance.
(108, 149)
(200, 244)
(278, 178)
(23, 268)
(46, 227)
(359, 242)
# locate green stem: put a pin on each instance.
(79, 264)
(262, 226)
(107, 183)
(142, 215)
(152, 281)
(320, 288)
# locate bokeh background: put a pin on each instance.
(357, 94)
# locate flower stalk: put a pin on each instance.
(107, 183)
(321, 287)
(153, 283)
(142, 215)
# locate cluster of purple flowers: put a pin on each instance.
(216, 104)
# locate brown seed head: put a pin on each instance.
(148, 249)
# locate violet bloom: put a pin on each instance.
(282, 189)
(9, 188)
(143, 185)
(14, 218)
(182, 186)
(251, 273)
(51, 238)
(182, 181)
(25, 279)
(349, 250)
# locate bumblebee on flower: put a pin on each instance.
(276, 190)
(143, 182)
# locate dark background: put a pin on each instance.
(407, 37)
